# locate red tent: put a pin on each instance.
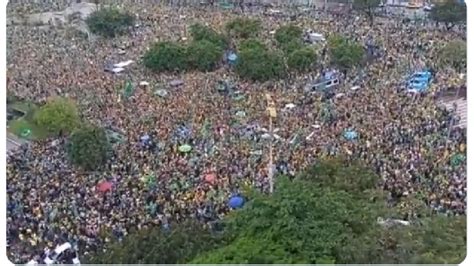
(104, 186)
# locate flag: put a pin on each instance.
(205, 128)
(128, 91)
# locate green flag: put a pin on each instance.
(128, 91)
(205, 128)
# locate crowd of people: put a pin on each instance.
(403, 136)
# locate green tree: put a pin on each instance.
(299, 223)
(302, 60)
(158, 246)
(88, 147)
(109, 22)
(260, 65)
(288, 33)
(58, 116)
(204, 55)
(345, 53)
(166, 56)
(433, 240)
(454, 54)
(243, 27)
(368, 7)
(251, 44)
(201, 32)
(449, 12)
(292, 46)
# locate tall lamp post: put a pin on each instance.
(272, 114)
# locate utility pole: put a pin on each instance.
(272, 114)
(451, 122)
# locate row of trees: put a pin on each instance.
(204, 53)
(258, 63)
(449, 12)
(328, 214)
(88, 145)
(255, 62)
(110, 22)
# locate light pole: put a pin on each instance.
(272, 114)
(451, 122)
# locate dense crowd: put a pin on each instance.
(404, 137)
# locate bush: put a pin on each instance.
(302, 59)
(251, 44)
(243, 27)
(345, 53)
(58, 116)
(166, 56)
(88, 147)
(260, 65)
(109, 22)
(204, 55)
(288, 33)
(292, 46)
(200, 32)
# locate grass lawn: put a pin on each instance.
(19, 125)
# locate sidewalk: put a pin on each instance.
(13, 141)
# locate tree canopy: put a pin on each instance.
(258, 64)
(204, 55)
(243, 27)
(59, 115)
(251, 44)
(454, 54)
(88, 147)
(327, 214)
(433, 240)
(450, 11)
(158, 246)
(201, 32)
(299, 223)
(109, 22)
(345, 53)
(302, 60)
(288, 33)
(166, 56)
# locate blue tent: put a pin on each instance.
(417, 86)
(419, 81)
(236, 202)
(350, 134)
